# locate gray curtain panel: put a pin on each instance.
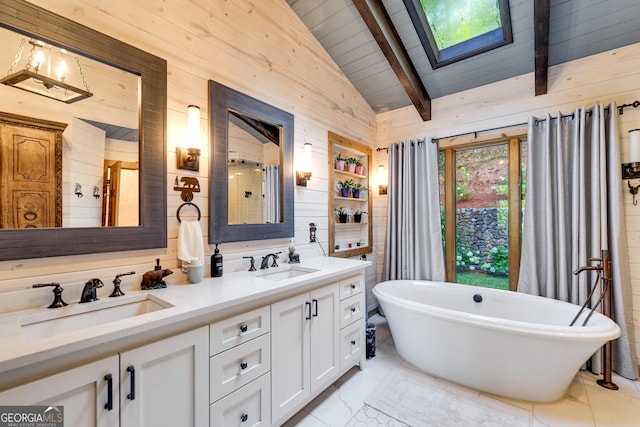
(413, 247)
(573, 210)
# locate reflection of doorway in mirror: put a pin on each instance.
(120, 201)
(30, 172)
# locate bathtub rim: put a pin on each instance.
(605, 328)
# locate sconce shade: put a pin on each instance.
(634, 145)
(189, 158)
(383, 180)
(305, 174)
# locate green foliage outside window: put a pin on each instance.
(454, 21)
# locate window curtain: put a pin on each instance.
(272, 193)
(573, 210)
(413, 247)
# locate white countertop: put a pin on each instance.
(190, 302)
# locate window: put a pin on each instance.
(452, 30)
(482, 188)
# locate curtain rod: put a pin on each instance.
(634, 104)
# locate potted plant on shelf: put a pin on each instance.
(351, 164)
(356, 189)
(339, 162)
(345, 187)
(342, 214)
(359, 167)
(357, 215)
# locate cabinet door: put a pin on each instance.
(325, 336)
(83, 393)
(290, 322)
(166, 383)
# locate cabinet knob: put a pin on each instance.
(353, 342)
(353, 309)
(244, 418)
(243, 365)
(353, 286)
(244, 328)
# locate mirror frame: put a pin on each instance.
(221, 100)
(34, 21)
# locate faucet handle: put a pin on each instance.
(57, 292)
(275, 257)
(117, 292)
(253, 265)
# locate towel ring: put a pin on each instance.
(187, 204)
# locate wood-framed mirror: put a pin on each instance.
(251, 183)
(36, 23)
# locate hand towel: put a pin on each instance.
(190, 241)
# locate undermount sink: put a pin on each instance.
(74, 317)
(286, 272)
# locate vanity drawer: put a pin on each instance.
(351, 309)
(239, 329)
(351, 344)
(250, 406)
(351, 286)
(234, 368)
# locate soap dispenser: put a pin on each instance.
(216, 263)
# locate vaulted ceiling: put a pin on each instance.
(381, 67)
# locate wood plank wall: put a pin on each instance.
(606, 77)
(258, 47)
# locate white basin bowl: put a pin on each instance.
(285, 272)
(74, 317)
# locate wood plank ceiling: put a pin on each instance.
(377, 48)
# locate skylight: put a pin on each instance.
(451, 30)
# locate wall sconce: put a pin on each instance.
(36, 76)
(305, 175)
(96, 192)
(631, 170)
(383, 180)
(189, 158)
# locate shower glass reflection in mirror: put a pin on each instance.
(100, 143)
(254, 167)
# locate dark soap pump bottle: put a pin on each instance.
(216, 263)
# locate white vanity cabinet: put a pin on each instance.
(239, 370)
(84, 392)
(162, 383)
(165, 383)
(305, 347)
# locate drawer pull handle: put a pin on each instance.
(243, 365)
(244, 328)
(109, 405)
(132, 392)
(244, 418)
(315, 309)
(308, 306)
(353, 309)
(353, 342)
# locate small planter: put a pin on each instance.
(344, 192)
(339, 165)
(357, 218)
(342, 218)
(355, 193)
(359, 170)
(351, 167)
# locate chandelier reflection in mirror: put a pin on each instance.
(37, 76)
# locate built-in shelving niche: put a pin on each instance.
(350, 238)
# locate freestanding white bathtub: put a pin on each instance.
(509, 344)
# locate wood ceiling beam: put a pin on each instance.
(379, 23)
(541, 14)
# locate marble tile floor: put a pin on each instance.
(585, 405)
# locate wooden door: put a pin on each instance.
(30, 172)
